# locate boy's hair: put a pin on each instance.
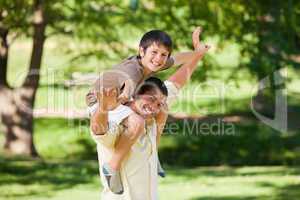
(156, 36)
(152, 83)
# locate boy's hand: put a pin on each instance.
(124, 97)
(107, 98)
(198, 46)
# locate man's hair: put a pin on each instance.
(156, 36)
(150, 84)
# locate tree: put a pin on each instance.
(30, 19)
(267, 32)
(17, 103)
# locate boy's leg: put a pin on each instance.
(135, 127)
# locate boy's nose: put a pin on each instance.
(157, 58)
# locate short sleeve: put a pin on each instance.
(130, 70)
(115, 117)
(173, 92)
(91, 109)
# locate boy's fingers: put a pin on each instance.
(197, 31)
(195, 37)
(196, 34)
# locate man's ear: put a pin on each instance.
(141, 52)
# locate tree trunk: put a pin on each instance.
(3, 55)
(16, 105)
(17, 120)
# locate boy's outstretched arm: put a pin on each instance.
(182, 75)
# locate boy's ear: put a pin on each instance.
(141, 51)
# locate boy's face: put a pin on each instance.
(150, 103)
(154, 57)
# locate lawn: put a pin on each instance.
(69, 169)
(37, 180)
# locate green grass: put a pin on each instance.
(58, 138)
(37, 180)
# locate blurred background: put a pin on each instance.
(215, 146)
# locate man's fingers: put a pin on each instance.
(113, 92)
(110, 91)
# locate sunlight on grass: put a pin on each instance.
(79, 180)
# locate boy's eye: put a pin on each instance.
(154, 52)
(164, 55)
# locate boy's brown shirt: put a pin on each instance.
(129, 69)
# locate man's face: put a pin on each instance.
(154, 57)
(150, 103)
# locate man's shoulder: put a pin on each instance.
(119, 114)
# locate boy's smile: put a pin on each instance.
(154, 57)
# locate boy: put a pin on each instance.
(154, 55)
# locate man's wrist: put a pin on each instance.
(102, 108)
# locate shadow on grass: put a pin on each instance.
(288, 192)
(49, 176)
(212, 141)
(224, 171)
(232, 198)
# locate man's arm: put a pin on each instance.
(107, 100)
(99, 119)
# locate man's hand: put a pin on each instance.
(198, 46)
(107, 98)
